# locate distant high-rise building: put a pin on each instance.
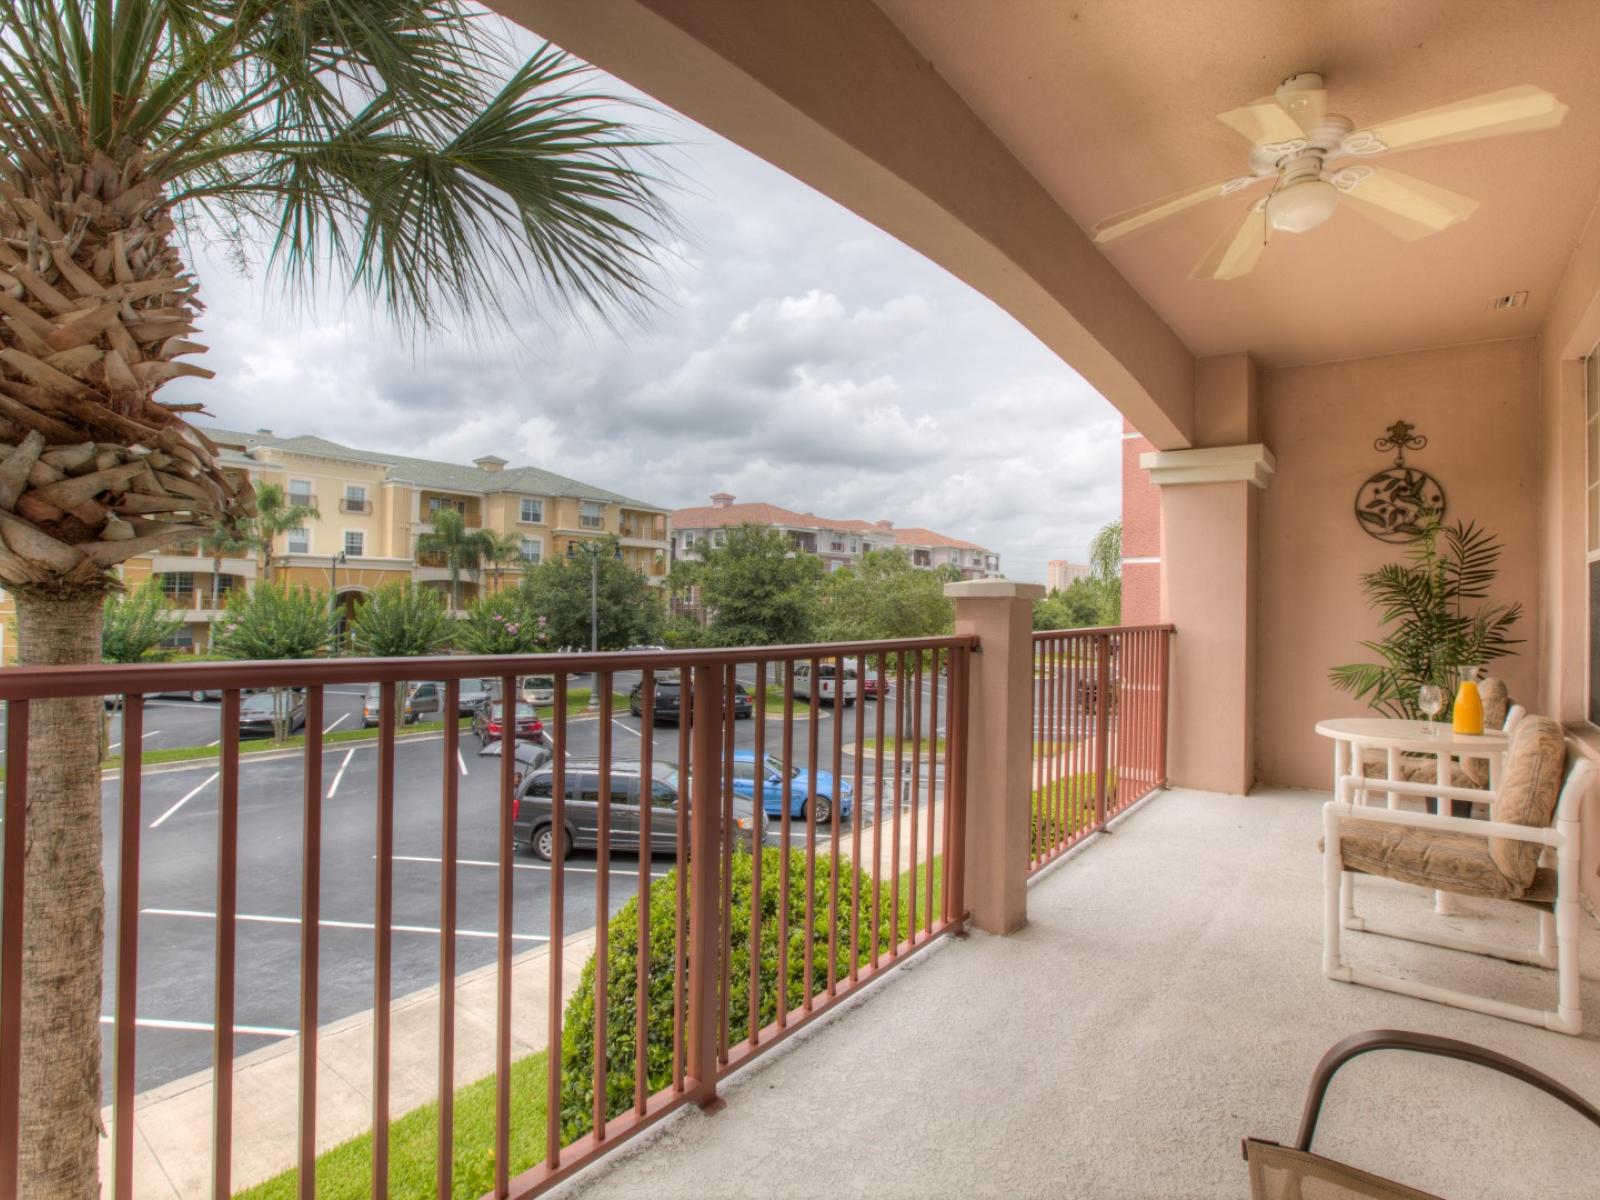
(1060, 574)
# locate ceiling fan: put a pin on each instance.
(1302, 147)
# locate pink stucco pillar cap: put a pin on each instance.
(994, 589)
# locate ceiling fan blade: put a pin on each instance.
(1135, 219)
(1519, 109)
(1407, 207)
(1262, 121)
(1236, 251)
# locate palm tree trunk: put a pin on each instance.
(63, 910)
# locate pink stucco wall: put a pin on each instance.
(1141, 535)
(1478, 406)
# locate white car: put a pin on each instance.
(539, 690)
(828, 684)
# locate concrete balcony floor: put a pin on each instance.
(1165, 999)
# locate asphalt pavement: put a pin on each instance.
(179, 854)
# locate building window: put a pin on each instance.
(855, 545)
(300, 493)
(181, 639)
(355, 499)
(354, 543)
(178, 585)
(719, 538)
(836, 546)
(530, 550)
(689, 536)
(436, 503)
(300, 541)
(532, 512)
(591, 515)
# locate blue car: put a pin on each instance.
(774, 788)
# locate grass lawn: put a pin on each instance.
(345, 1172)
(578, 703)
(1065, 806)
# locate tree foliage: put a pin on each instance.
(136, 623)
(883, 597)
(1085, 603)
(629, 610)
(461, 548)
(502, 624)
(275, 515)
(401, 620)
(1438, 617)
(758, 592)
(272, 620)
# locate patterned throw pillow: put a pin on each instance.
(1528, 794)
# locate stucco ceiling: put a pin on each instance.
(1111, 103)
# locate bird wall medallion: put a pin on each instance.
(1395, 504)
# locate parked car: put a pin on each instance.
(831, 795)
(490, 716)
(199, 695)
(533, 812)
(530, 755)
(371, 712)
(539, 689)
(876, 685)
(256, 712)
(427, 697)
(827, 682)
(668, 698)
(643, 649)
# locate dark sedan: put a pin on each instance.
(259, 711)
(668, 699)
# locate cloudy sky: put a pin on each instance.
(801, 357)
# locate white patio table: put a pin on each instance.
(1352, 735)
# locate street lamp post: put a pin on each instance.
(593, 551)
(334, 562)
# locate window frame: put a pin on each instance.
(591, 514)
(538, 550)
(295, 496)
(361, 543)
(304, 533)
(538, 511)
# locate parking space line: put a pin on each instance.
(329, 923)
(631, 872)
(209, 781)
(339, 774)
(152, 733)
(205, 1027)
(625, 728)
(338, 721)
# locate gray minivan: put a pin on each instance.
(426, 698)
(534, 807)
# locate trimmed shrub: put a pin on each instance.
(577, 1043)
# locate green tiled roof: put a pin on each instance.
(428, 473)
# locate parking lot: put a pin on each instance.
(178, 870)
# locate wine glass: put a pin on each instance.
(1430, 699)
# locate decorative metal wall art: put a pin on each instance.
(1395, 503)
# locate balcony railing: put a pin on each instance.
(867, 842)
(1099, 730)
(350, 505)
(308, 499)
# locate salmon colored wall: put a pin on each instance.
(1478, 406)
(1571, 331)
(1141, 534)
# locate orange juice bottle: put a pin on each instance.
(1467, 715)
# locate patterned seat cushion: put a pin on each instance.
(1450, 862)
(1528, 794)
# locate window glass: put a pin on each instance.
(662, 795)
(178, 583)
(625, 789)
(299, 541)
(532, 511)
(542, 787)
(584, 786)
(300, 491)
(354, 541)
(530, 550)
(591, 515)
(355, 492)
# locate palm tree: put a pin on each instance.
(396, 147)
(275, 515)
(461, 548)
(500, 549)
(224, 542)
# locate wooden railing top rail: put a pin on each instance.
(52, 682)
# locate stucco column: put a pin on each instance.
(1209, 502)
(1000, 748)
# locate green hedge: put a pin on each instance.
(577, 1046)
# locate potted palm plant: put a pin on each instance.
(1437, 617)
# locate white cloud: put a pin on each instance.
(800, 356)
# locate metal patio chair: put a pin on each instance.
(1280, 1172)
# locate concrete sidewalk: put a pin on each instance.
(172, 1147)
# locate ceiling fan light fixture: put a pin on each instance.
(1301, 207)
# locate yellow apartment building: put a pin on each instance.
(374, 507)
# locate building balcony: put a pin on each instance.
(347, 505)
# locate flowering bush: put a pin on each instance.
(501, 624)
